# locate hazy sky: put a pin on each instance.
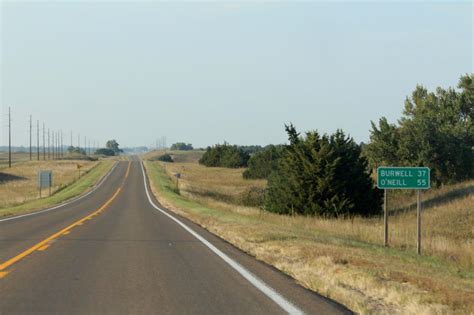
(208, 72)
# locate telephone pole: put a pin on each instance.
(38, 139)
(49, 146)
(62, 145)
(9, 137)
(44, 148)
(31, 127)
(54, 145)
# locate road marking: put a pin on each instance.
(286, 305)
(44, 247)
(66, 203)
(128, 170)
(44, 244)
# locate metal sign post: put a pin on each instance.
(45, 179)
(403, 178)
(79, 166)
(385, 219)
(178, 176)
(418, 222)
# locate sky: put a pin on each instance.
(205, 73)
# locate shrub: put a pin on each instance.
(262, 163)
(165, 158)
(181, 146)
(105, 151)
(253, 197)
(322, 175)
(224, 155)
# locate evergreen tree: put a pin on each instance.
(225, 155)
(262, 163)
(436, 130)
(322, 175)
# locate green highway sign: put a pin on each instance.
(403, 178)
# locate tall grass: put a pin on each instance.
(447, 223)
(19, 183)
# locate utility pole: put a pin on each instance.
(38, 139)
(44, 148)
(85, 145)
(53, 140)
(57, 144)
(31, 152)
(9, 137)
(49, 146)
(79, 142)
(55, 150)
(62, 145)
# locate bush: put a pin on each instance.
(105, 151)
(322, 175)
(253, 197)
(165, 158)
(224, 155)
(181, 146)
(262, 163)
(76, 151)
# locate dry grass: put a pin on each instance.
(178, 156)
(340, 258)
(447, 228)
(19, 183)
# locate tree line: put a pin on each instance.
(330, 175)
(436, 130)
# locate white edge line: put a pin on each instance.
(254, 280)
(65, 203)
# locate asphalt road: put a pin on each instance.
(113, 252)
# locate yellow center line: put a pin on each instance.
(19, 257)
(44, 243)
(128, 169)
(42, 248)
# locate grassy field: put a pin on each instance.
(18, 185)
(342, 259)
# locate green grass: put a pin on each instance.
(393, 279)
(75, 189)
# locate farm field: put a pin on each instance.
(340, 258)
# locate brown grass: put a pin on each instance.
(19, 183)
(343, 259)
(447, 228)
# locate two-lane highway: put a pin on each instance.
(114, 252)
